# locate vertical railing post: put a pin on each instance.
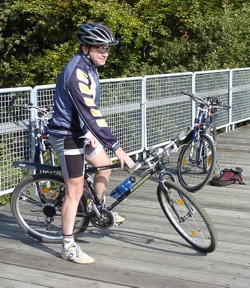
(144, 114)
(193, 102)
(230, 100)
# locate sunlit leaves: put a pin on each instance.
(37, 37)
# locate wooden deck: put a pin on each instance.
(145, 250)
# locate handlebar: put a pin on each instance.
(30, 106)
(155, 154)
(209, 101)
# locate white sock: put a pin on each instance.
(68, 240)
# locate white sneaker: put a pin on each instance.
(118, 219)
(75, 254)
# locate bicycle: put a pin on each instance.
(43, 149)
(197, 158)
(39, 215)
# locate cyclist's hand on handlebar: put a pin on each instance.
(124, 158)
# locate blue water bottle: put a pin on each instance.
(123, 187)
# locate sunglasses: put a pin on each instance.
(102, 49)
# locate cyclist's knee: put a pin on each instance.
(74, 187)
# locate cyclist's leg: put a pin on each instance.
(71, 155)
(73, 193)
(98, 157)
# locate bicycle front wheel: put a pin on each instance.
(187, 216)
(36, 206)
(196, 163)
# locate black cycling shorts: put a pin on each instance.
(72, 153)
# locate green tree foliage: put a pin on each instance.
(37, 38)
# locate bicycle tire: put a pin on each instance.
(192, 175)
(195, 226)
(34, 210)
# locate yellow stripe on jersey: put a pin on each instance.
(82, 76)
(96, 113)
(84, 89)
(101, 123)
(89, 101)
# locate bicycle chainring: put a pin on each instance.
(105, 221)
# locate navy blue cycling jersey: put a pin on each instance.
(76, 102)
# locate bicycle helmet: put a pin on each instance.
(95, 34)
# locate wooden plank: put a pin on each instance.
(145, 251)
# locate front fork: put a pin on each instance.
(200, 149)
(183, 200)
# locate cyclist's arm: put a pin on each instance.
(83, 99)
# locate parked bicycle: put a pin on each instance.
(43, 150)
(39, 215)
(197, 158)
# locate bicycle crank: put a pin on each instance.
(105, 221)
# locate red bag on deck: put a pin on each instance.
(228, 176)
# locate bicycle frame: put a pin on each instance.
(44, 145)
(206, 112)
(158, 167)
(149, 173)
(89, 170)
(38, 129)
(200, 127)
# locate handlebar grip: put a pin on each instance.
(20, 105)
(137, 166)
(23, 105)
(188, 94)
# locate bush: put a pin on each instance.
(5, 199)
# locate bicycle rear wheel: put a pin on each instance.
(187, 217)
(196, 163)
(36, 206)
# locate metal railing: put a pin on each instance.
(141, 111)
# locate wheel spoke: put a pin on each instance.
(195, 168)
(187, 217)
(38, 212)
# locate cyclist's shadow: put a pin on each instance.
(10, 230)
(140, 239)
